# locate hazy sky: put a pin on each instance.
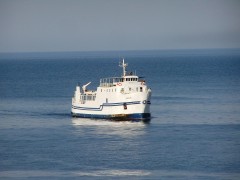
(95, 25)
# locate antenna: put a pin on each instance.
(123, 65)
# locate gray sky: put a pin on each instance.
(96, 25)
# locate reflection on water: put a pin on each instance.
(114, 173)
(124, 129)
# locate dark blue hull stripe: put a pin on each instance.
(117, 116)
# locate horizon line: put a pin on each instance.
(103, 51)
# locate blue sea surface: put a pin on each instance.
(194, 132)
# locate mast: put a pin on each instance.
(123, 65)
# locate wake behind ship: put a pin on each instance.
(121, 98)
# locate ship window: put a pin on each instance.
(101, 90)
(141, 89)
(130, 89)
(122, 90)
(137, 89)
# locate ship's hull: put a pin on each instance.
(132, 110)
(137, 109)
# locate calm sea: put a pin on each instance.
(194, 132)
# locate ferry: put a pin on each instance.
(117, 98)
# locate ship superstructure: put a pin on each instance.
(122, 98)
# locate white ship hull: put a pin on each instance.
(121, 98)
(117, 105)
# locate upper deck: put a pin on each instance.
(112, 81)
